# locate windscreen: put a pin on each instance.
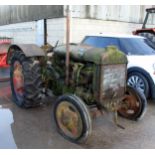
(100, 42)
(130, 46)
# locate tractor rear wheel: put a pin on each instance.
(72, 118)
(26, 82)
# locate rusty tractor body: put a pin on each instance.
(97, 78)
(101, 71)
(148, 30)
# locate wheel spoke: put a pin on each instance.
(130, 82)
(133, 80)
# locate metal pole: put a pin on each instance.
(45, 32)
(67, 44)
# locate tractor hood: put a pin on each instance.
(109, 55)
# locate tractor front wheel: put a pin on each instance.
(133, 104)
(72, 118)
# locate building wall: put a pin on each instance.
(21, 32)
(10, 14)
(56, 30)
(25, 33)
(82, 27)
(124, 13)
(86, 20)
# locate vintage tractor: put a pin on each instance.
(148, 30)
(97, 78)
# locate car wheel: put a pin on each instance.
(138, 81)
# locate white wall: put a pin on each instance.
(20, 32)
(56, 30)
(82, 27)
(27, 32)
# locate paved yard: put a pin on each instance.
(33, 128)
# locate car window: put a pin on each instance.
(137, 46)
(100, 42)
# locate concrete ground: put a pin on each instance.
(33, 128)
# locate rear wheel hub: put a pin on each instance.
(18, 80)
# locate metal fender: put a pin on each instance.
(29, 50)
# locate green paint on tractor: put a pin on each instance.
(84, 70)
(102, 56)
